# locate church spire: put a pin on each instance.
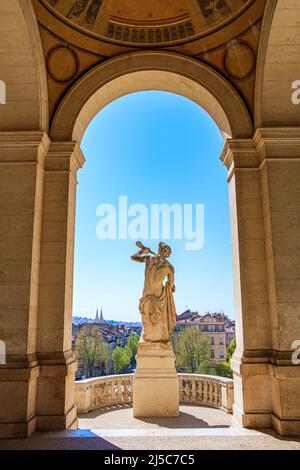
(97, 316)
(101, 317)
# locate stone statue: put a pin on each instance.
(157, 304)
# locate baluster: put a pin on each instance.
(125, 391)
(217, 395)
(219, 404)
(114, 392)
(96, 395)
(214, 390)
(101, 394)
(210, 393)
(193, 391)
(200, 392)
(111, 393)
(214, 393)
(130, 390)
(187, 391)
(106, 397)
(180, 390)
(205, 392)
(119, 400)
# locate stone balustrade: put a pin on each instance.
(208, 390)
(197, 389)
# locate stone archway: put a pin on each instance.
(169, 72)
(142, 71)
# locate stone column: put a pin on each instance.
(264, 187)
(55, 395)
(252, 385)
(22, 157)
(279, 154)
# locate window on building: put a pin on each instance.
(202, 328)
(212, 354)
(212, 340)
(221, 340)
(221, 353)
(211, 328)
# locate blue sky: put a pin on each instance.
(154, 147)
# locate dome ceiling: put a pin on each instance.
(147, 22)
(77, 35)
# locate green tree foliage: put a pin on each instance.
(91, 350)
(132, 343)
(224, 369)
(121, 358)
(230, 350)
(193, 351)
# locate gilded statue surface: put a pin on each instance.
(157, 305)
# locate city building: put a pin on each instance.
(217, 325)
(114, 333)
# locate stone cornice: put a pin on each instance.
(265, 356)
(64, 156)
(23, 147)
(267, 144)
(277, 143)
(240, 153)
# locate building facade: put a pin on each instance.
(217, 326)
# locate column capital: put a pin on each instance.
(239, 153)
(277, 142)
(23, 146)
(64, 156)
(267, 143)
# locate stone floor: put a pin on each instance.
(197, 428)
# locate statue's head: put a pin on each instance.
(164, 250)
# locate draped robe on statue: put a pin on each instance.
(158, 315)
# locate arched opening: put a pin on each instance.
(151, 148)
(154, 148)
(155, 71)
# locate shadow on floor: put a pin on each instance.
(64, 440)
(101, 411)
(183, 421)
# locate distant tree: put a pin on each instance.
(132, 342)
(121, 358)
(224, 370)
(230, 350)
(193, 351)
(91, 350)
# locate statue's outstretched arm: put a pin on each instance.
(140, 257)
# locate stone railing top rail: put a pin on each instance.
(188, 376)
(104, 378)
(215, 378)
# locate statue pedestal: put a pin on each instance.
(155, 383)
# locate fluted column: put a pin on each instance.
(55, 397)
